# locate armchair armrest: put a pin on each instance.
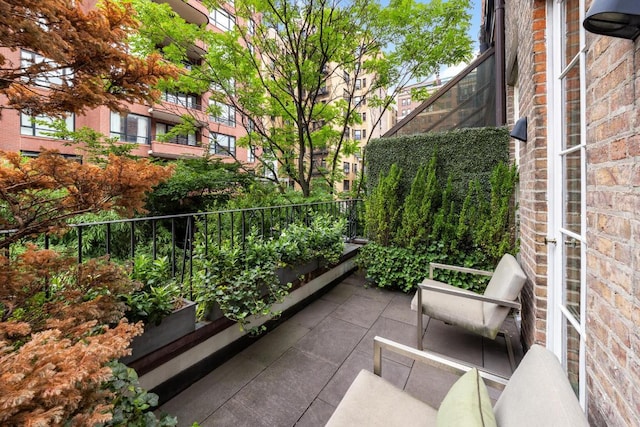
(463, 294)
(431, 359)
(434, 265)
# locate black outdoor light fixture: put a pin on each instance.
(615, 18)
(519, 130)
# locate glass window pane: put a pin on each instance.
(571, 355)
(571, 25)
(572, 196)
(571, 279)
(571, 107)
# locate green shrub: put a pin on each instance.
(383, 208)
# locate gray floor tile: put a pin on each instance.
(360, 310)
(400, 332)
(282, 393)
(205, 396)
(393, 372)
(317, 415)
(314, 313)
(453, 341)
(400, 309)
(333, 339)
(269, 348)
(339, 294)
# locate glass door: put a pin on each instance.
(567, 279)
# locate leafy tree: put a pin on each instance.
(196, 185)
(279, 60)
(81, 57)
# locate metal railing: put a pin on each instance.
(173, 236)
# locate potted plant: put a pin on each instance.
(158, 304)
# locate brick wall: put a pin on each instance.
(527, 67)
(613, 238)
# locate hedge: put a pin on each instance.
(465, 154)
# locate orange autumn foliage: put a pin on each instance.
(86, 50)
(61, 323)
(56, 340)
(38, 195)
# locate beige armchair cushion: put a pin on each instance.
(506, 283)
(464, 312)
(538, 394)
(372, 401)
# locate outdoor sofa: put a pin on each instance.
(537, 394)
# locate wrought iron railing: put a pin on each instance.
(173, 236)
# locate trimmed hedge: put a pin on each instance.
(465, 154)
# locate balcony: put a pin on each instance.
(298, 372)
(191, 11)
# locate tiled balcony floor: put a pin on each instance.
(297, 373)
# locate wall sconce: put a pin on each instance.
(519, 130)
(615, 18)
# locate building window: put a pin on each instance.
(251, 27)
(347, 77)
(405, 102)
(179, 98)
(345, 167)
(359, 134)
(355, 168)
(363, 117)
(222, 113)
(361, 83)
(224, 145)
(43, 125)
(346, 185)
(251, 154)
(222, 19)
(130, 127)
(54, 77)
(190, 139)
(359, 100)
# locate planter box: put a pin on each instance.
(172, 327)
(290, 274)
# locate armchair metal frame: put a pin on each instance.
(431, 359)
(480, 297)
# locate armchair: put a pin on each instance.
(482, 314)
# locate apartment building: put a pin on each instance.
(355, 88)
(143, 125)
(406, 103)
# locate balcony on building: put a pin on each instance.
(192, 11)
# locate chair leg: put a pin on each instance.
(419, 323)
(507, 339)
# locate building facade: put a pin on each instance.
(144, 125)
(579, 198)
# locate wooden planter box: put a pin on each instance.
(174, 326)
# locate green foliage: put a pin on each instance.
(159, 293)
(196, 184)
(463, 154)
(401, 268)
(419, 207)
(435, 227)
(383, 208)
(242, 280)
(133, 406)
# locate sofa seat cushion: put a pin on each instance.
(467, 404)
(373, 401)
(539, 394)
